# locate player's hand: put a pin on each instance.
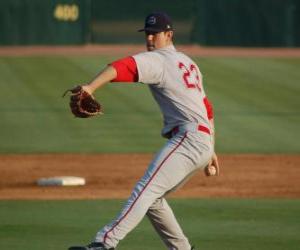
(87, 88)
(212, 169)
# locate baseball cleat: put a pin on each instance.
(92, 246)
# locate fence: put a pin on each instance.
(207, 22)
(44, 21)
(247, 23)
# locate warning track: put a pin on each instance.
(123, 50)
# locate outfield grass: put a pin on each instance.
(210, 224)
(256, 107)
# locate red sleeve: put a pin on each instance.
(126, 70)
(209, 108)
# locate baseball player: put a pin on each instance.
(176, 84)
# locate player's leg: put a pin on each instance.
(153, 185)
(160, 213)
(169, 168)
(166, 225)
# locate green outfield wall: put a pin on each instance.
(247, 23)
(266, 23)
(44, 22)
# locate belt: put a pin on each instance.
(190, 127)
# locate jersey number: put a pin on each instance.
(187, 73)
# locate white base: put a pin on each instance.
(61, 181)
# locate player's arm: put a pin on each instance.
(213, 165)
(123, 70)
(214, 160)
(210, 116)
(105, 76)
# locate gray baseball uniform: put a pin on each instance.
(176, 84)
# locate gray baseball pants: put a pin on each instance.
(182, 155)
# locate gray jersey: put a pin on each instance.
(176, 84)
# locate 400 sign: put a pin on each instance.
(66, 12)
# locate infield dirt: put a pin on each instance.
(114, 175)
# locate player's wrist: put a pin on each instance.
(88, 88)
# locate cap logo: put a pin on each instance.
(151, 20)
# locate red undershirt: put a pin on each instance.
(126, 70)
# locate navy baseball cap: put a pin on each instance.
(157, 22)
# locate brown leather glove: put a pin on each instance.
(83, 104)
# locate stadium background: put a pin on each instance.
(235, 22)
(48, 46)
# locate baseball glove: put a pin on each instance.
(83, 104)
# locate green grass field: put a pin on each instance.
(210, 224)
(257, 111)
(256, 107)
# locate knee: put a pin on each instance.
(157, 204)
